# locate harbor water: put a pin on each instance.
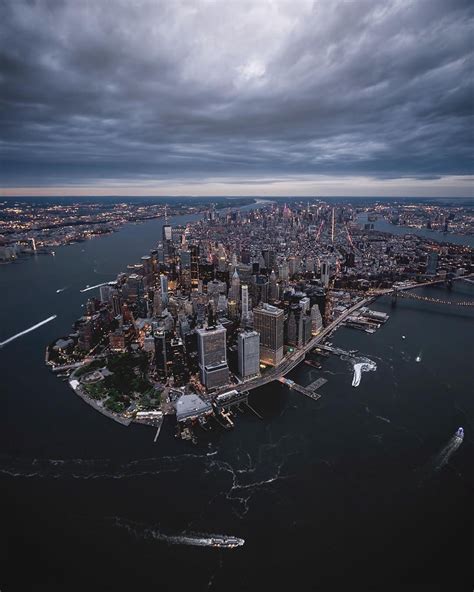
(341, 493)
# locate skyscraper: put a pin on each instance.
(316, 320)
(432, 264)
(105, 293)
(212, 351)
(164, 289)
(234, 292)
(194, 266)
(167, 233)
(295, 326)
(268, 321)
(273, 287)
(249, 354)
(325, 273)
(245, 303)
(163, 353)
(167, 236)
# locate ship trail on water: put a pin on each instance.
(33, 328)
(443, 457)
(360, 365)
(447, 452)
(86, 289)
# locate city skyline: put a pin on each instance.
(237, 278)
(270, 98)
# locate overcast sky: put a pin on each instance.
(236, 98)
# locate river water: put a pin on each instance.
(347, 492)
(434, 235)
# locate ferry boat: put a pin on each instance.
(213, 540)
(460, 433)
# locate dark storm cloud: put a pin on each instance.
(190, 90)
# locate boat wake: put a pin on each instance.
(87, 288)
(95, 469)
(33, 328)
(245, 479)
(447, 452)
(361, 365)
(194, 539)
(444, 456)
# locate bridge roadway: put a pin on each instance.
(290, 362)
(403, 291)
(383, 291)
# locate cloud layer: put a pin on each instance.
(112, 93)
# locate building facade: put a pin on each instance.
(249, 354)
(212, 353)
(269, 322)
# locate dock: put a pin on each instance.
(304, 390)
(336, 350)
(313, 386)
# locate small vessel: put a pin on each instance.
(418, 359)
(460, 433)
(403, 337)
(313, 364)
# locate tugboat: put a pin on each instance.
(460, 433)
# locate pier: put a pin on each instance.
(335, 350)
(308, 391)
(230, 399)
(313, 386)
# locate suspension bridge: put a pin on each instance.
(406, 291)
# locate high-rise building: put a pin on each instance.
(147, 265)
(194, 266)
(305, 303)
(325, 273)
(105, 293)
(292, 265)
(234, 292)
(307, 328)
(167, 233)
(116, 303)
(157, 303)
(245, 303)
(316, 320)
(268, 321)
(273, 287)
(295, 326)
(163, 353)
(212, 351)
(284, 271)
(432, 264)
(167, 236)
(164, 289)
(309, 264)
(249, 354)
